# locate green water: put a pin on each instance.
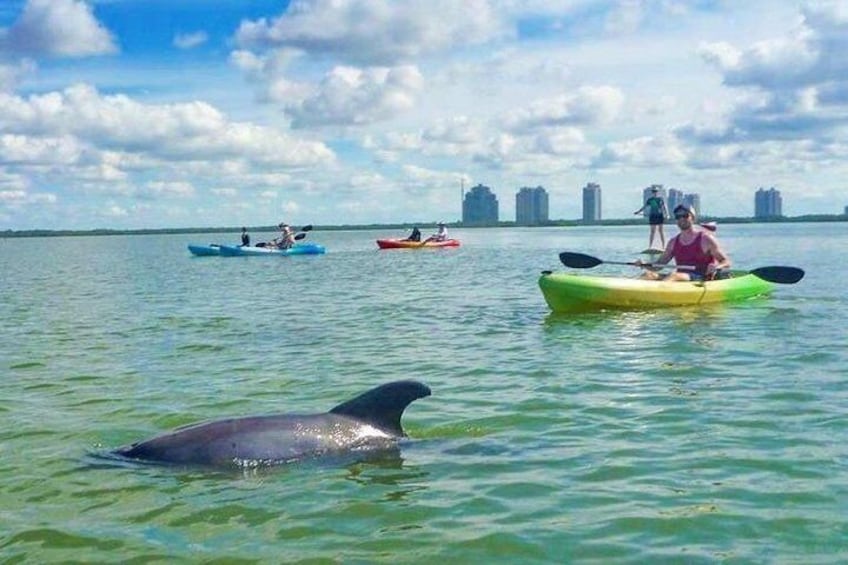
(688, 435)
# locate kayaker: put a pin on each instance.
(697, 249)
(415, 235)
(657, 212)
(440, 235)
(245, 237)
(286, 238)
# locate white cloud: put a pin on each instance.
(647, 151)
(12, 74)
(21, 149)
(563, 141)
(800, 81)
(588, 105)
(812, 54)
(167, 189)
(170, 132)
(58, 28)
(375, 32)
(348, 96)
(190, 40)
(12, 196)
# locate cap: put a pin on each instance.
(683, 208)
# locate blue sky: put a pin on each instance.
(168, 113)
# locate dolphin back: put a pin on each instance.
(383, 406)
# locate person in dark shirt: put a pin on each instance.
(657, 212)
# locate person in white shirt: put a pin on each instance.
(440, 235)
(286, 238)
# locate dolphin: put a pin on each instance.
(369, 421)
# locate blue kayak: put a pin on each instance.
(204, 250)
(299, 249)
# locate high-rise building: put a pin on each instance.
(479, 206)
(768, 203)
(592, 202)
(531, 206)
(675, 198)
(693, 200)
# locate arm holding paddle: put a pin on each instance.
(652, 268)
(278, 240)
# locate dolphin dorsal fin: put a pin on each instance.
(383, 406)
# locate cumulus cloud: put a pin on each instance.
(374, 32)
(796, 86)
(351, 96)
(588, 105)
(58, 28)
(812, 54)
(21, 149)
(457, 130)
(12, 74)
(561, 142)
(183, 131)
(268, 71)
(645, 151)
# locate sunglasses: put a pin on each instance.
(680, 216)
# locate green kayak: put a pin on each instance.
(566, 292)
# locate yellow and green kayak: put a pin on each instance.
(567, 292)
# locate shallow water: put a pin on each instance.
(686, 435)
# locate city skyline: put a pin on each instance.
(534, 199)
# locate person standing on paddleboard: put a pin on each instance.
(696, 251)
(657, 212)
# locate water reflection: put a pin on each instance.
(387, 468)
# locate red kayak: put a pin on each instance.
(406, 244)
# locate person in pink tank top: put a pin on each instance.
(696, 252)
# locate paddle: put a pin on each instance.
(775, 274)
(581, 261)
(780, 275)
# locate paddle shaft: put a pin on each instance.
(775, 274)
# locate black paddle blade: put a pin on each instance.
(300, 236)
(780, 275)
(578, 260)
(306, 228)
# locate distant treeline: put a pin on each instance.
(409, 225)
